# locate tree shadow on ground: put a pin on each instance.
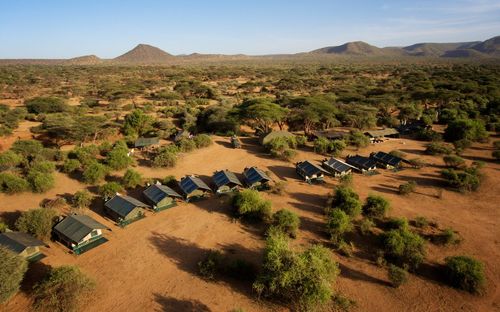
(434, 272)
(356, 275)
(36, 272)
(186, 256)
(413, 151)
(309, 202)
(284, 172)
(170, 304)
(253, 146)
(430, 180)
(315, 227)
(10, 218)
(384, 188)
(226, 144)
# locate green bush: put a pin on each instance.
(358, 139)
(438, 149)
(209, 266)
(286, 221)
(248, 203)
(82, 199)
(170, 181)
(346, 180)
(71, 165)
(65, 288)
(43, 167)
(447, 237)
(165, 158)
(420, 222)
(282, 148)
(94, 173)
(12, 184)
(366, 226)
(186, 145)
(465, 273)
(407, 188)
(132, 178)
(454, 161)
(397, 275)
(202, 140)
(278, 188)
(109, 189)
(118, 158)
(347, 199)
(397, 223)
(27, 148)
(301, 278)
(9, 160)
(324, 146)
(40, 182)
(466, 180)
(337, 224)
(404, 248)
(376, 206)
(12, 273)
(46, 105)
(37, 222)
(301, 140)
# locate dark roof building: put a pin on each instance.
(226, 181)
(160, 196)
(145, 142)
(255, 177)
(329, 134)
(337, 167)
(388, 132)
(194, 187)
(309, 171)
(387, 160)
(362, 163)
(122, 207)
(77, 231)
(22, 244)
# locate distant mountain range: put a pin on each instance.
(144, 54)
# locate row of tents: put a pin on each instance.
(312, 172)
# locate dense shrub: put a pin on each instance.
(428, 135)
(282, 148)
(454, 161)
(465, 129)
(407, 188)
(358, 139)
(420, 222)
(337, 224)
(346, 199)
(12, 184)
(447, 237)
(346, 180)
(94, 173)
(202, 140)
(165, 158)
(118, 158)
(109, 189)
(210, 264)
(9, 159)
(186, 145)
(137, 123)
(466, 180)
(82, 199)
(132, 178)
(404, 248)
(438, 149)
(28, 149)
(286, 221)
(40, 182)
(397, 275)
(248, 203)
(301, 140)
(397, 224)
(46, 105)
(325, 146)
(86, 155)
(64, 289)
(465, 273)
(301, 278)
(365, 226)
(37, 222)
(11, 273)
(376, 206)
(71, 165)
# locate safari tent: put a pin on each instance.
(226, 181)
(388, 161)
(256, 178)
(79, 232)
(161, 197)
(125, 209)
(194, 188)
(22, 244)
(361, 163)
(310, 172)
(337, 167)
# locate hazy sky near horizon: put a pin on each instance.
(108, 28)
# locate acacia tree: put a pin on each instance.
(262, 114)
(313, 113)
(137, 123)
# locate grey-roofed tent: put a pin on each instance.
(309, 172)
(146, 142)
(383, 133)
(387, 160)
(193, 187)
(160, 196)
(125, 209)
(22, 244)
(337, 167)
(226, 181)
(76, 231)
(256, 178)
(362, 163)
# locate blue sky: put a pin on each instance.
(108, 28)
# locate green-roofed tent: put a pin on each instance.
(226, 181)
(161, 197)
(310, 172)
(125, 209)
(146, 142)
(77, 231)
(22, 244)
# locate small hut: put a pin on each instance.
(310, 172)
(194, 188)
(361, 163)
(226, 182)
(337, 167)
(256, 178)
(387, 161)
(125, 209)
(378, 135)
(22, 244)
(146, 143)
(161, 197)
(80, 233)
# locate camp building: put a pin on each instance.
(361, 163)
(80, 233)
(310, 172)
(256, 178)
(161, 197)
(337, 167)
(125, 209)
(378, 135)
(226, 181)
(388, 161)
(22, 244)
(194, 188)
(144, 143)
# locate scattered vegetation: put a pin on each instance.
(376, 206)
(407, 187)
(249, 204)
(37, 222)
(11, 273)
(286, 221)
(397, 275)
(465, 273)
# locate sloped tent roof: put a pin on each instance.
(267, 137)
(387, 158)
(225, 177)
(330, 134)
(76, 227)
(157, 192)
(254, 175)
(337, 165)
(381, 133)
(18, 241)
(123, 205)
(361, 162)
(143, 142)
(309, 168)
(190, 184)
